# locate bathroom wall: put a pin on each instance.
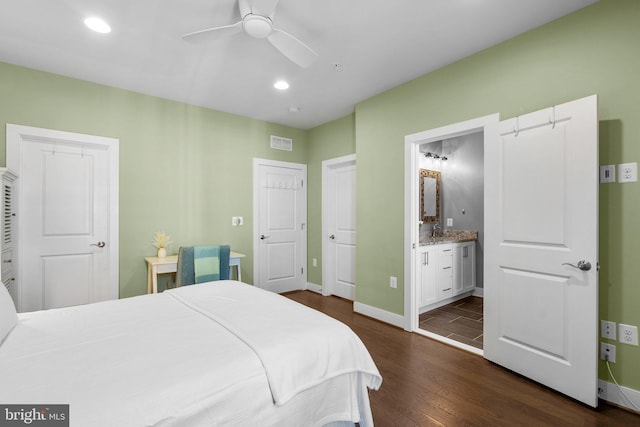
(462, 187)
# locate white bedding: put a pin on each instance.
(213, 354)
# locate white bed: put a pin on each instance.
(215, 354)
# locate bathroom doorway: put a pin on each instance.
(448, 249)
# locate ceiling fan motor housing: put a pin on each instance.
(257, 26)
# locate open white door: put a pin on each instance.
(541, 201)
(280, 216)
(67, 216)
(339, 227)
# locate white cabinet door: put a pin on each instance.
(428, 276)
(464, 266)
(468, 266)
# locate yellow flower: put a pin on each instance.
(161, 240)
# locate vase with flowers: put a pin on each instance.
(161, 241)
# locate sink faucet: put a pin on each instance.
(434, 229)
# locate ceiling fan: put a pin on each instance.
(257, 21)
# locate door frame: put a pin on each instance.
(16, 134)
(327, 167)
(257, 162)
(486, 124)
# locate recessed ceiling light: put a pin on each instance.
(294, 109)
(98, 25)
(281, 85)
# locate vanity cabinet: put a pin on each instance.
(427, 292)
(464, 267)
(444, 271)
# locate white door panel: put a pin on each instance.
(68, 205)
(339, 227)
(541, 198)
(280, 218)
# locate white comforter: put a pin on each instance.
(213, 354)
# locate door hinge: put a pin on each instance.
(302, 270)
(302, 183)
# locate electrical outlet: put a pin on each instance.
(628, 172)
(628, 334)
(608, 352)
(234, 221)
(314, 261)
(607, 174)
(608, 329)
(393, 282)
(449, 222)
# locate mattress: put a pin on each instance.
(214, 354)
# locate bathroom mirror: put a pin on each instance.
(429, 196)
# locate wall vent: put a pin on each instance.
(280, 143)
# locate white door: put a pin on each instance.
(541, 189)
(339, 227)
(280, 216)
(67, 195)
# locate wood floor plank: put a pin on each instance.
(428, 383)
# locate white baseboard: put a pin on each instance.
(478, 292)
(611, 393)
(314, 288)
(378, 314)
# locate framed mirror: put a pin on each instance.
(429, 196)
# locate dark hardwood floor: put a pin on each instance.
(427, 383)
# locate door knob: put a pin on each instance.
(262, 237)
(582, 265)
(332, 237)
(99, 244)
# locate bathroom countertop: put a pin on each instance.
(449, 236)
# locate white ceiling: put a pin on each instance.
(378, 44)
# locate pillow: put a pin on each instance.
(8, 316)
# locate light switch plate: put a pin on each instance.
(607, 174)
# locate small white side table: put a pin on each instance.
(169, 264)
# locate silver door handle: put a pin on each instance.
(332, 237)
(262, 237)
(582, 265)
(99, 244)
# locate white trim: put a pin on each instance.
(379, 314)
(257, 162)
(15, 135)
(348, 160)
(314, 288)
(411, 197)
(478, 292)
(449, 341)
(611, 393)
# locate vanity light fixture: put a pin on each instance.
(434, 156)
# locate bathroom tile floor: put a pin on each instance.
(461, 321)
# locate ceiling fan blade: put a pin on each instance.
(202, 35)
(263, 7)
(292, 48)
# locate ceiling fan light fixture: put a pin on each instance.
(257, 26)
(97, 24)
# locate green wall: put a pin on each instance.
(592, 51)
(185, 170)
